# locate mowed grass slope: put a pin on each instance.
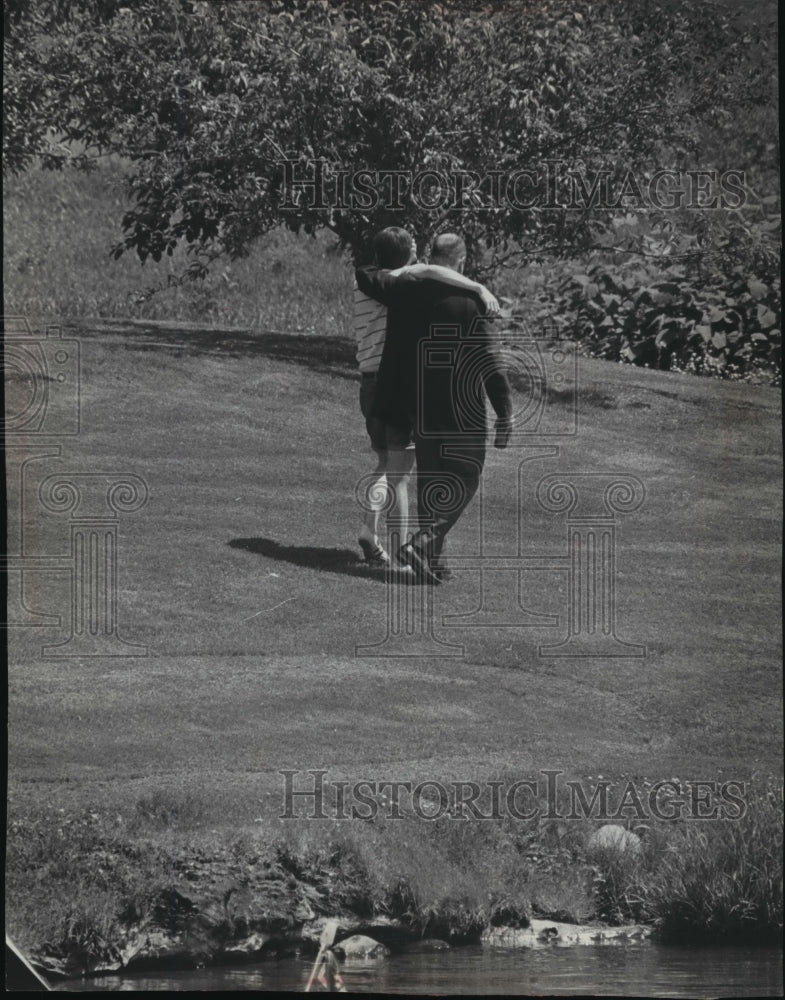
(242, 577)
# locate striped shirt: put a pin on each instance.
(370, 326)
(370, 316)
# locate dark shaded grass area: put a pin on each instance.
(326, 355)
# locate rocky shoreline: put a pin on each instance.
(201, 940)
(88, 897)
(211, 920)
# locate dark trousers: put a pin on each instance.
(448, 475)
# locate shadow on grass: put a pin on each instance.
(344, 561)
(331, 355)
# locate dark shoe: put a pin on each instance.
(410, 555)
(374, 554)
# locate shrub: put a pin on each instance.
(715, 313)
(722, 880)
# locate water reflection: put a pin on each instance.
(645, 970)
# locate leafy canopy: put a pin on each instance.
(207, 99)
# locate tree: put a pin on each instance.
(220, 106)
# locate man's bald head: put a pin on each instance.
(449, 250)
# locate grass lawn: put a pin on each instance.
(241, 576)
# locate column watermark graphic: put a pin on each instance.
(94, 502)
(43, 406)
(591, 547)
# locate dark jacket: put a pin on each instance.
(439, 358)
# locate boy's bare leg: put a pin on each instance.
(377, 501)
(398, 469)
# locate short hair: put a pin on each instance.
(393, 247)
(448, 247)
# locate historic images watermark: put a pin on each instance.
(553, 184)
(549, 795)
(43, 411)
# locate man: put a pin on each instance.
(392, 442)
(437, 367)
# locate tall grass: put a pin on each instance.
(73, 881)
(722, 880)
(703, 881)
(60, 227)
(440, 880)
(695, 881)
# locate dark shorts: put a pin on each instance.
(384, 437)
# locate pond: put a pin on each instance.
(646, 970)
